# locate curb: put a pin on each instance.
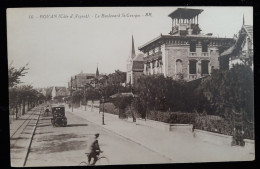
(28, 149)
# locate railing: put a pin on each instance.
(196, 54)
(192, 76)
(193, 54)
(205, 54)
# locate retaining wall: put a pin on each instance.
(182, 128)
(250, 145)
(213, 137)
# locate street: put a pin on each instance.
(123, 142)
(65, 146)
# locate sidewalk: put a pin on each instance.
(15, 124)
(21, 133)
(176, 146)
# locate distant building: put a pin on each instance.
(135, 66)
(42, 91)
(77, 82)
(53, 91)
(185, 53)
(84, 80)
(242, 52)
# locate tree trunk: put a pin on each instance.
(16, 112)
(23, 111)
(28, 105)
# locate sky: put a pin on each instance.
(58, 43)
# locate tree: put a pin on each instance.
(117, 78)
(15, 74)
(92, 94)
(232, 87)
(19, 95)
(232, 94)
(77, 96)
(121, 103)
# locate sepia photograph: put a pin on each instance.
(130, 85)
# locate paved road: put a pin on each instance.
(65, 146)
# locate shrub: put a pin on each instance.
(109, 108)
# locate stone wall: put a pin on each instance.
(214, 55)
(175, 53)
(214, 138)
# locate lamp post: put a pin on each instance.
(103, 118)
(85, 96)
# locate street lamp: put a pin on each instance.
(85, 96)
(103, 118)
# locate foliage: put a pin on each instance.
(232, 89)
(200, 121)
(109, 108)
(139, 106)
(172, 117)
(159, 93)
(15, 74)
(92, 94)
(58, 98)
(117, 78)
(24, 94)
(77, 96)
(122, 102)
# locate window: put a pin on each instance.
(204, 67)
(192, 46)
(204, 47)
(193, 67)
(178, 66)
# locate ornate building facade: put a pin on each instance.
(185, 53)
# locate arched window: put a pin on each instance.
(178, 66)
(193, 67)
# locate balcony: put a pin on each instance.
(153, 56)
(193, 54)
(196, 54)
(192, 76)
(205, 54)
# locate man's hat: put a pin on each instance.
(97, 134)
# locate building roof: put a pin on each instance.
(85, 74)
(185, 13)
(245, 28)
(139, 57)
(60, 89)
(201, 36)
(228, 51)
(249, 30)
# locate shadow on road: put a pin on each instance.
(16, 147)
(76, 125)
(44, 125)
(60, 146)
(18, 138)
(43, 133)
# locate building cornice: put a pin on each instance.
(161, 39)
